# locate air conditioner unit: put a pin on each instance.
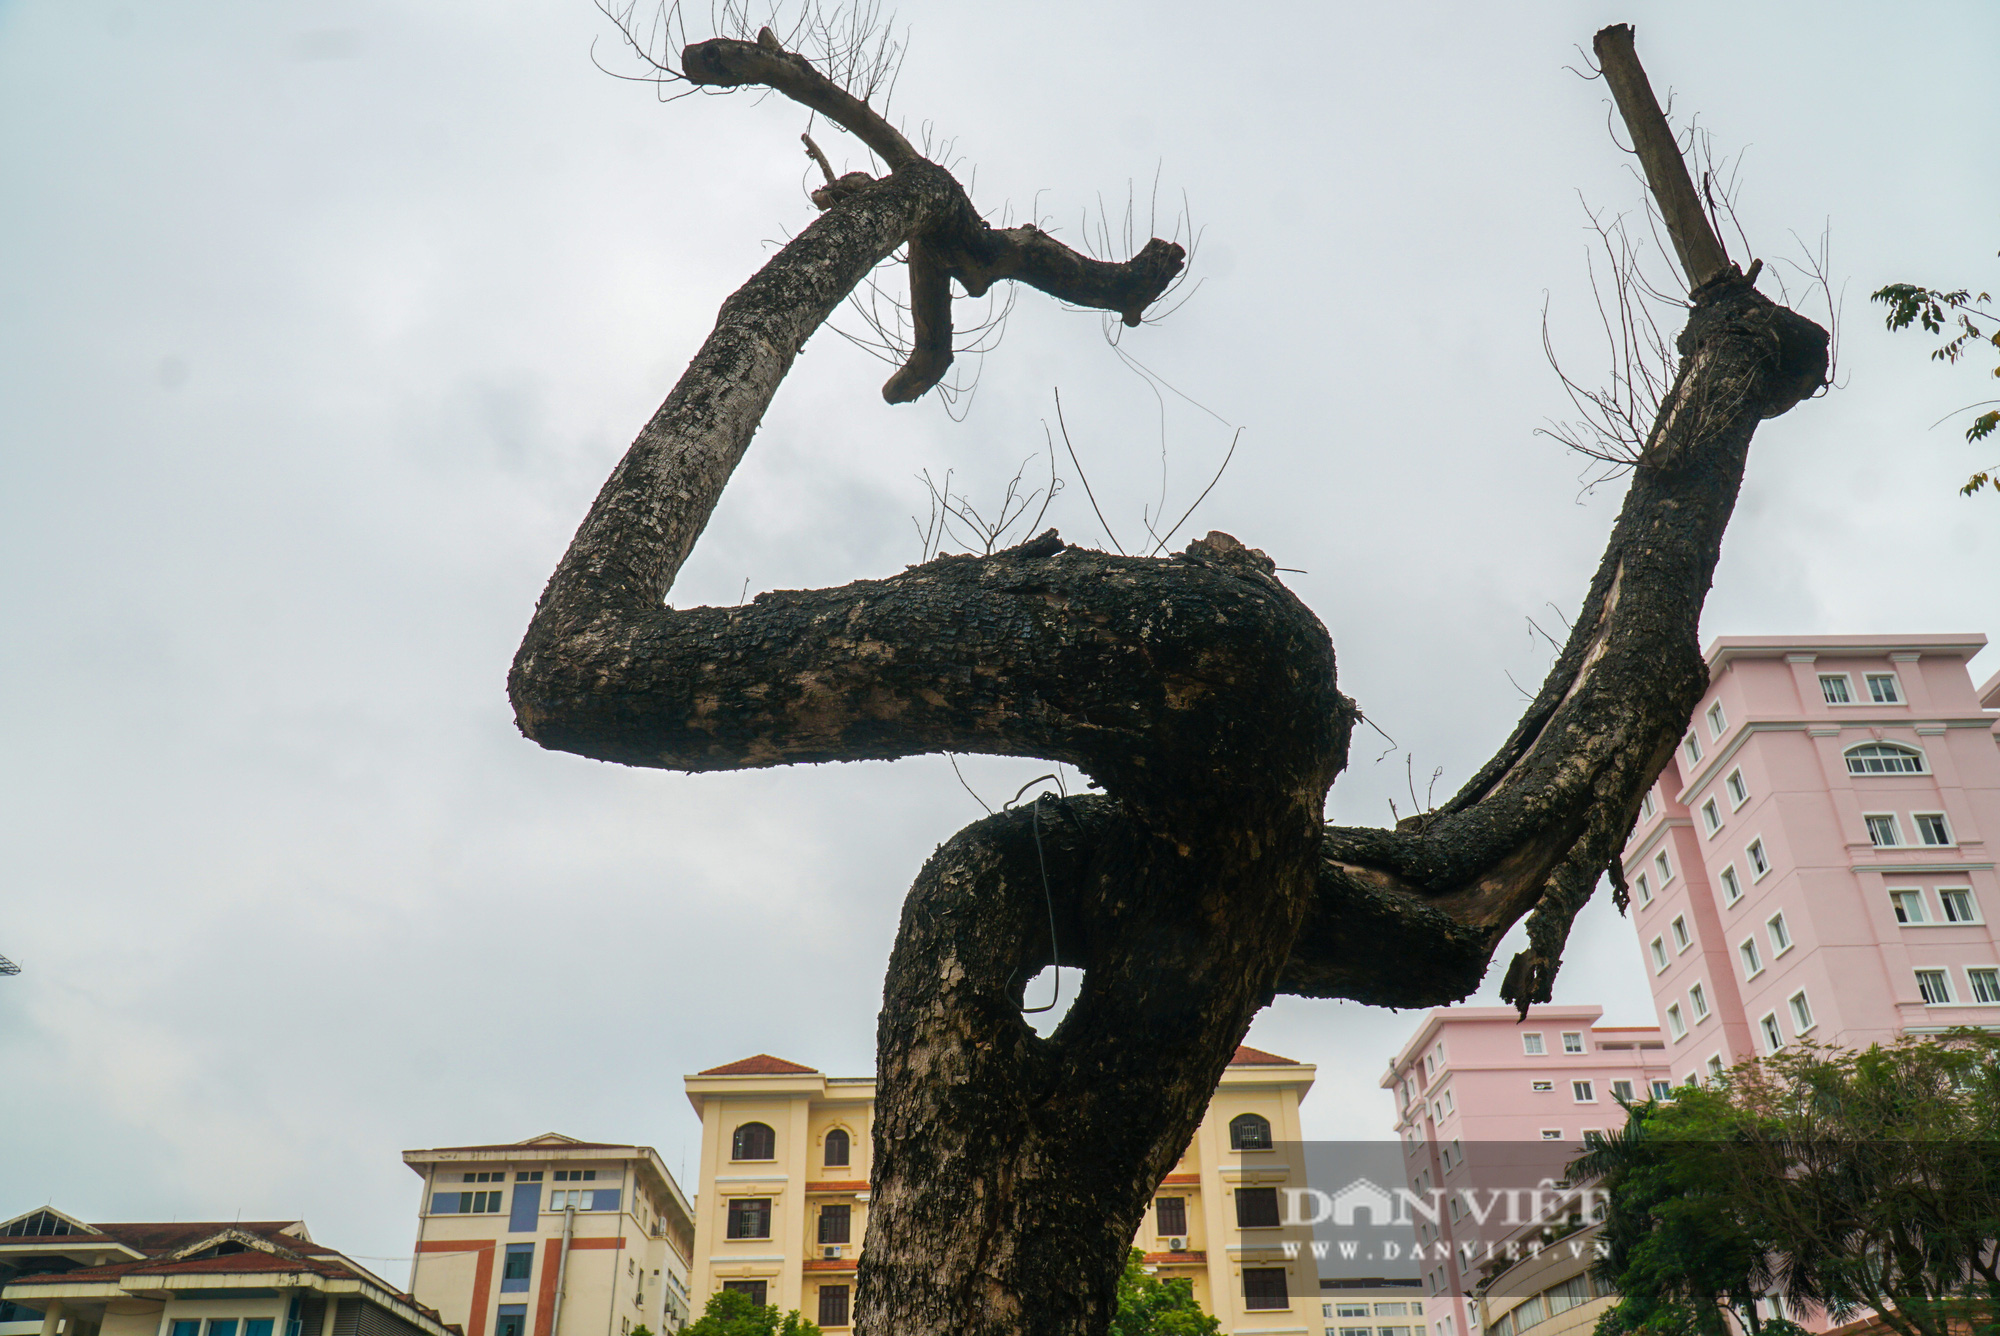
(831, 1251)
(1176, 1245)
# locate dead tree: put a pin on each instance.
(1011, 1170)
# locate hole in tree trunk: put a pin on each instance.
(1041, 987)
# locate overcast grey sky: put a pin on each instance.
(321, 323)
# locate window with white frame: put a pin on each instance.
(1716, 720)
(1552, 1134)
(1644, 889)
(1835, 689)
(1711, 816)
(1542, 1087)
(1732, 888)
(1959, 906)
(1931, 828)
(1802, 1017)
(1884, 758)
(1663, 1089)
(1760, 862)
(1739, 792)
(1572, 1041)
(1715, 1066)
(1680, 929)
(1659, 949)
(1753, 964)
(1781, 936)
(1583, 1092)
(1909, 906)
(1935, 987)
(1774, 1038)
(1698, 999)
(1674, 1021)
(1622, 1090)
(1985, 985)
(1531, 1044)
(1647, 806)
(1691, 747)
(1883, 689)
(1883, 831)
(1663, 867)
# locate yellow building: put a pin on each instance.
(551, 1237)
(783, 1193)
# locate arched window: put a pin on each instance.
(1884, 758)
(1247, 1131)
(754, 1141)
(836, 1149)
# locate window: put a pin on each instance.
(1931, 828)
(749, 1218)
(1264, 1287)
(1659, 950)
(1711, 816)
(1833, 687)
(1985, 985)
(1738, 791)
(1552, 1134)
(1753, 964)
(1715, 1066)
(1882, 830)
(753, 1141)
(222, 1326)
(513, 1320)
(1663, 867)
(1681, 939)
(836, 1224)
(583, 1199)
(1531, 1044)
(1622, 1091)
(1935, 987)
(1883, 690)
(1884, 758)
(1583, 1092)
(1774, 1038)
(1249, 1131)
(1645, 890)
(1802, 1017)
(1647, 806)
(1760, 863)
(1909, 906)
(1781, 936)
(180, 1326)
(576, 1175)
(465, 1203)
(1543, 1087)
(1572, 1041)
(1716, 720)
(833, 1305)
(1698, 999)
(528, 1176)
(485, 1178)
(837, 1149)
(753, 1288)
(1170, 1214)
(518, 1266)
(1663, 1089)
(1392, 1310)
(1351, 1310)
(1691, 747)
(1256, 1208)
(1732, 889)
(1959, 906)
(1674, 1021)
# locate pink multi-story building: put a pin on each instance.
(1477, 1087)
(1813, 863)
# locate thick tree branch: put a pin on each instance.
(930, 314)
(1701, 254)
(729, 62)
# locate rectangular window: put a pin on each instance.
(1715, 1066)
(1647, 806)
(1663, 867)
(1531, 1044)
(1644, 888)
(1256, 1208)
(1543, 1087)
(1264, 1288)
(1739, 792)
(475, 1203)
(1909, 906)
(1833, 686)
(517, 1267)
(1732, 889)
(1698, 998)
(1774, 1038)
(513, 1320)
(1883, 689)
(1674, 1021)
(1392, 1310)
(1753, 964)
(1716, 721)
(1802, 1017)
(749, 1218)
(1552, 1134)
(1985, 985)
(1572, 1041)
(1659, 950)
(755, 1289)
(1681, 939)
(576, 1175)
(1711, 816)
(258, 1326)
(1663, 1089)
(1583, 1092)
(185, 1326)
(528, 1176)
(1622, 1090)
(222, 1326)
(1351, 1310)
(1759, 863)
(1958, 903)
(1931, 828)
(1691, 747)
(1170, 1214)
(1882, 830)
(1781, 936)
(836, 1224)
(833, 1305)
(1935, 986)
(484, 1178)
(568, 1199)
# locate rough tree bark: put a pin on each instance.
(1012, 1170)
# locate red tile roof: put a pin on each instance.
(763, 1064)
(1247, 1056)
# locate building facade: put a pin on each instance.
(1482, 1096)
(62, 1277)
(784, 1190)
(551, 1237)
(1381, 1306)
(1813, 863)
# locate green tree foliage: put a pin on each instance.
(1149, 1306)
(1953, 316)
(1843, 1181)
(730, 1313)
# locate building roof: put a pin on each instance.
(1724, 648)
(546, 1141)
(1246, 1056)
(761, 1064)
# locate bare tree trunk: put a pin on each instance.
(1012, 1170)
